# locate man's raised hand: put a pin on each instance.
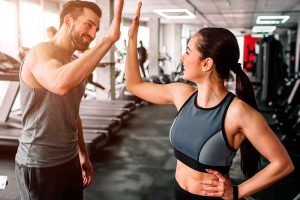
(114, 31)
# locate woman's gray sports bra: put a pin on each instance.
(198, 136)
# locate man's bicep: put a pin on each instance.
(45, 71)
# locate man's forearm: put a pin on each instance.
(81, 145)
(73, 73)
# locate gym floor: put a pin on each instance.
(138, 164)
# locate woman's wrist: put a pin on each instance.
(235, 192)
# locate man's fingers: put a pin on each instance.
(85, 179)
(119, 8)
(89, 179)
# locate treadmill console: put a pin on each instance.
(8, 64)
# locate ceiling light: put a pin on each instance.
(258, 35)
(272, 19)
(175, 13)
(263, 29)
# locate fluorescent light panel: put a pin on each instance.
(272, 19)
(263, 29)
(175, 13)
(257, 35)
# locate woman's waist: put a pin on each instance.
(198, 166)
(189, 179)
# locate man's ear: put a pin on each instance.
(68, 20)
(207, 64)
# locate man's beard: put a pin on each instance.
(77, 41)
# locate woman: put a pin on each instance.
(212, 123)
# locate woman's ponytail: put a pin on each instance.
(250, 157)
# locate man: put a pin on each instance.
(142, 57)
(52, 161)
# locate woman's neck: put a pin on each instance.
(210, 95)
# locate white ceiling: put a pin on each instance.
(222, 13)
(234, 14)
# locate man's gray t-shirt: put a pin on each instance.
(49, 136)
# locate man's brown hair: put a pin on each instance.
(75, 9)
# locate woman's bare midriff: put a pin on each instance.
(188, 178)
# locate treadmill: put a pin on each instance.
(117, 104)
(96, 112)
(107, 109)
(10, 124)
(107, 104)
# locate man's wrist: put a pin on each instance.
(83, 154)
(106, 41)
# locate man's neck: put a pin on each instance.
(63, 44)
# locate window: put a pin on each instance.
(34, 21)
(8, 35)
(50, 19)
(30, 21)
(9, 31)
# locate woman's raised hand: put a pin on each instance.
(133, 31)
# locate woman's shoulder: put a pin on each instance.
(181, 93)
(183, 90)
(239, 109)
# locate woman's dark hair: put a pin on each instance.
(75, 9)
(222, 46)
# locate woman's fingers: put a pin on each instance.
(212, 182)
(138, 10)
(218, 174)
(211, 194)
(214, 188)
(135, 22)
